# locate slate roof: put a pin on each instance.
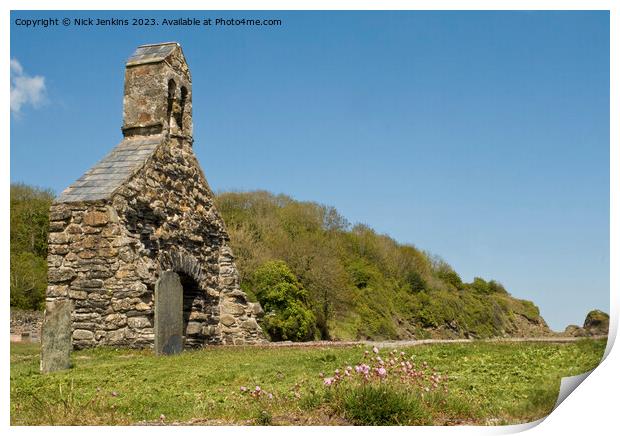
(112, 171)
(150, 53)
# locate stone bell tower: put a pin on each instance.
(158, 92)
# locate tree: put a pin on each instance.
(28, 281)
(285, 303)
(30, 219)
(29, 229)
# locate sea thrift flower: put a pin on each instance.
(382, 372)
(375, 350)
(243, 389)
(328, 381)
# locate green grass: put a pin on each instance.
(488, 383)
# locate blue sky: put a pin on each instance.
(479, 136)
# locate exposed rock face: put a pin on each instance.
(574, 330)
(146, 208)
(523, 327)
(596, 323)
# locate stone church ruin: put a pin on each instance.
(138, 254)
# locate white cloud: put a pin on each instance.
(25, 89)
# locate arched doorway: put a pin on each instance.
(184, 313)
(196, 312)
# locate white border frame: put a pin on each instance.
(591, 410)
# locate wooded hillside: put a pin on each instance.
(316, 275)
(360, 284)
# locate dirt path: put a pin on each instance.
(384, 344)
(415, 342)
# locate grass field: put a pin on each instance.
(487, 383)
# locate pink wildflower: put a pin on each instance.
(243, 389)
(382, 372)
(375, 350)
(328, 381)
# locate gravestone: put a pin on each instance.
(56, 336)
(168, 314)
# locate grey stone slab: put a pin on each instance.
(100, 181)
(56, 336)
(168, 314)
(151, 53)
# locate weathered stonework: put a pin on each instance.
(56, 340)
(146, 208)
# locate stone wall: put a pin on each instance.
(107, 255)
(27, 322)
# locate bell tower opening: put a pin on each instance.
(172, 87)
(182, 111)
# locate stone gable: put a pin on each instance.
(144, 210)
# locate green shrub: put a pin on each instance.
(285, 303)
(372, 404)
(479, 285)
(415, 281)
(362, 273)
(445, 273)
(497, 287)
(263, 417)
